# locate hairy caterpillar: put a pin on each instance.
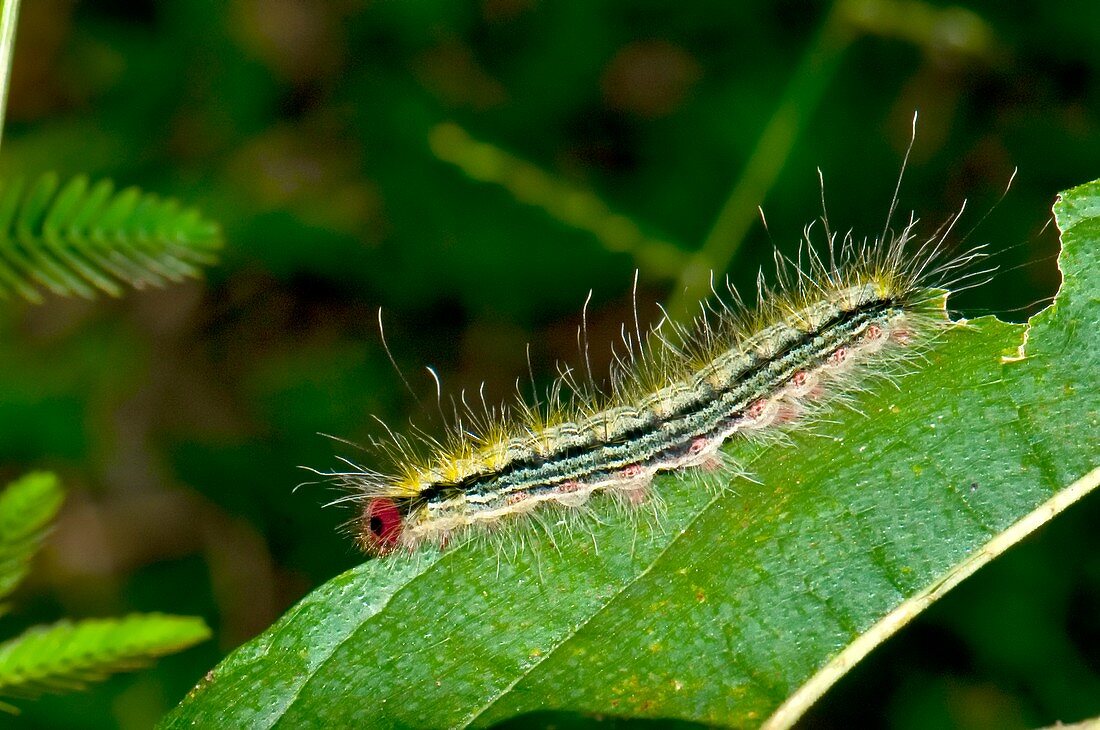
(831, 317)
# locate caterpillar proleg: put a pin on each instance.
(834, 318)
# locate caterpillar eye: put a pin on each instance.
(382, 526)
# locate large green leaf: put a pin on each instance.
(738, 606)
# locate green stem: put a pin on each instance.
(806, 87)
(9, 13)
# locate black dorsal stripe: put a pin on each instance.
(656, 429)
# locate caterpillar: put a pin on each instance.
(828, 320)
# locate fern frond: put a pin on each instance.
(67, 656)
(81, 239)
(27, 507)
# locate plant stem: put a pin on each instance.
(9, 13)
(806, 87)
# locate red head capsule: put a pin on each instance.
(382, 525)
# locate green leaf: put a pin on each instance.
(81, 239)
(27, 507)
(67, 656)
(738, 606)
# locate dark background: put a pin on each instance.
(474, 169)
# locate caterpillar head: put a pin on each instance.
(381, 526)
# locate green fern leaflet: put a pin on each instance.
(27, 507)
(80, 239)
(67, 656)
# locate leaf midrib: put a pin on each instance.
(354, 629)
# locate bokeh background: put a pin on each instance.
(474, 169)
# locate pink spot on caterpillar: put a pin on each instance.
(573, 499)
(631, 472)
(759, 414)
(381, 526)
(787, 412)
(901, 336)
(571, 494)
(805, 384)
(872, 333)
(838, 356)
(521, 503)
(698, 445)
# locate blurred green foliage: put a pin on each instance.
(179, 417)
(67, 656)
